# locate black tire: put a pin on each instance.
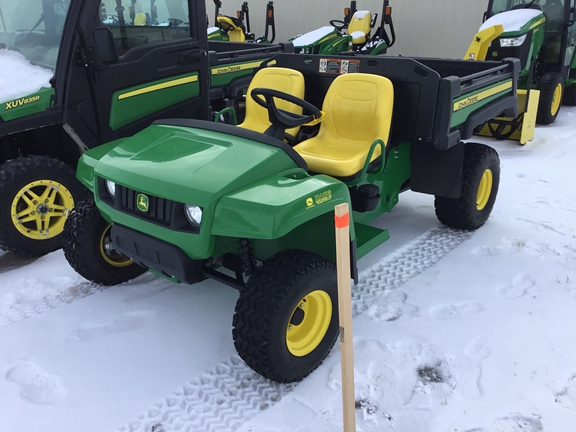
(293, 288)
(551, 88)
(30, 226)
(569, 95)
(85, 248)
(480, 180)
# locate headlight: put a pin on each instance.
(193, 214)
(111, 188)
(512, 42)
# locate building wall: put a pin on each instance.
(427, 28)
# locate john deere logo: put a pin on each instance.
(142, 202)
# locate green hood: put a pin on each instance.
(194, 165)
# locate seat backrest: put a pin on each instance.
(358, 110)
(140, 19)
(232, 27)
(283, 79)
(359, 26)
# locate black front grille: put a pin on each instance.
(159, 209)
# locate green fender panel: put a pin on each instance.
(277, 204)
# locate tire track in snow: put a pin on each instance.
(226, 397)
(16, 307)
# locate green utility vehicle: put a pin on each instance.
(116, 66)
(237, 29)
(354, 33)
(542, 34)
(190, 200)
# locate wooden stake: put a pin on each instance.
(342, 223)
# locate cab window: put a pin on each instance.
(136, 23)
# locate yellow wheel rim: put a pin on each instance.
(556, 98)
(309, 323)
(39, 210)
(109, 254)
(484, 189)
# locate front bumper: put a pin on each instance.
(160, 256)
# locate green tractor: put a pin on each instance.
(237, 29)
(189, 199)
(542, 34)
(354, 33)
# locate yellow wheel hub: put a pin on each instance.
(109, 254)
(308, 323)
(556, 99)
(484, 189)
(39, 210)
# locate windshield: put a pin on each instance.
(548, 6)
(33, 28)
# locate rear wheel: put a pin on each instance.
(88, 248)
(551, 88)
(286, 319)
(480, 179)
(36, 195)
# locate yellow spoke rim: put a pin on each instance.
(309, 323)
(39, 210)
(109, 254)
(484, 189)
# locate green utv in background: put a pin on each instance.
(190, 200)
(117, 66)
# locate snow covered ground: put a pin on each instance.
(453, 331)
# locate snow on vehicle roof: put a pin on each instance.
(312, 36)
(18, 77)
(512, 20)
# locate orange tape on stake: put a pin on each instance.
(342, 221)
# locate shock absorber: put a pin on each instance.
(248, 257)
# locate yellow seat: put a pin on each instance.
(358, 112)
(283, 79)
(359, 27)
(234, 31)
(140, 19)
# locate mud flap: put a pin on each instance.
(520, 128)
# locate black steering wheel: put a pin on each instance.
(282, 119)
(338, 24)
(174, 22)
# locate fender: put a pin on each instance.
(274, 206)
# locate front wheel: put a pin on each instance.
(36, 195)
(286, 319)
(480, 180)
(551, 88)
(88, 248)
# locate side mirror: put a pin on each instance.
(104, 40)
(571, 17)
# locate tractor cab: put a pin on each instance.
(559, 33)
(542, 35)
